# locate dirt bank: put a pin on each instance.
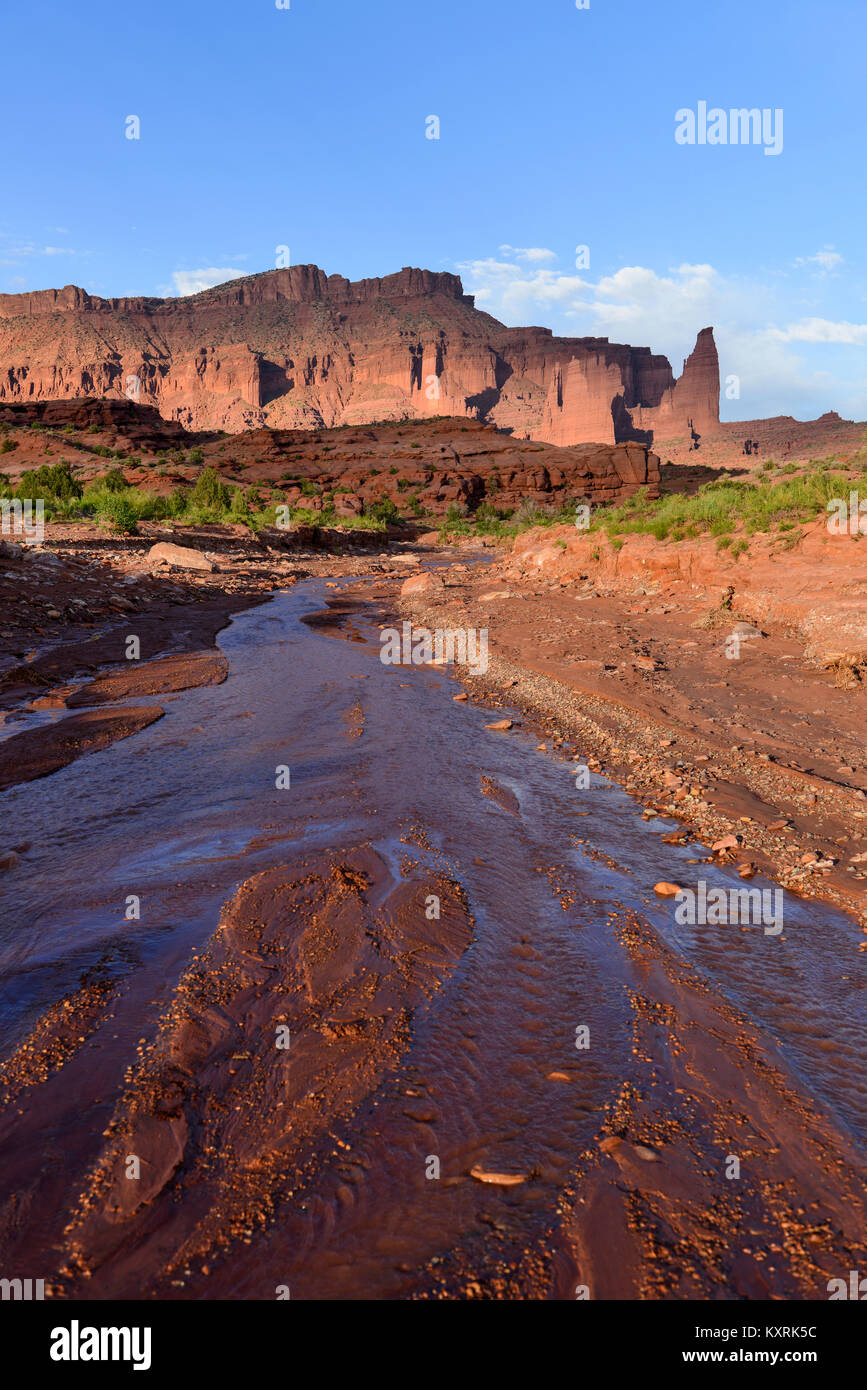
(632, 672)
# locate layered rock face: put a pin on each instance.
(299, 349)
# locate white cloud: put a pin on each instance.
(194, 281)
(15, 251)
(656, 309)
(826, 260)
(639, 305)
(529, 253)
(822, 331)
(634, 305)
(509, 291)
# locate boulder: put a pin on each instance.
(179, 557)
(427, 583)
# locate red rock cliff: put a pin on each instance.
(297, 348)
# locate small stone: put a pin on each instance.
(727, 842)
(650, 1155)
(498, 1179)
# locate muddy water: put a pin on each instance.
(181, 813)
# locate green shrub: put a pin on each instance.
(49, 480)
(721, 507)
(118, 512)
(210, 492)
(238, 509)
(113, 481)
(384, 510)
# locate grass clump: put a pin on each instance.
(721, 507)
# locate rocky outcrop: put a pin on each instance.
(425, 466)
(813, 588)
(433, 463)
(693, 398)
(296, 348)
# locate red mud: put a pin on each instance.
(329, 949)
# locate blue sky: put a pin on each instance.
(305, 127)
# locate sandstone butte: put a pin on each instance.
(298, 349)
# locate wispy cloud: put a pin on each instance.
(529, 253)
(827, 260)
(14, 250)
(822, 331)
(194, 281)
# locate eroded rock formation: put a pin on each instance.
(297, 348)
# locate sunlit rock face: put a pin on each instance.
(299, 349)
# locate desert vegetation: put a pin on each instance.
(112, 502)
(780, 498)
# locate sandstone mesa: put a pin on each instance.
(298, 349)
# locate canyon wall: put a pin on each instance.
(299, 349)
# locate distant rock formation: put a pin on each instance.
(299, 349)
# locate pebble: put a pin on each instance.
(499, 1179)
